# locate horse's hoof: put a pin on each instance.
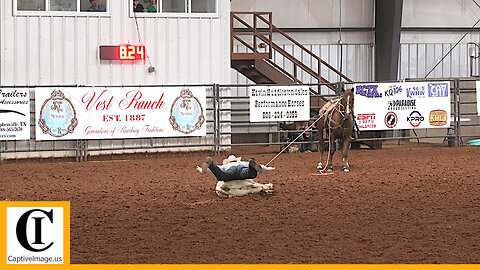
(346, 169)
(329, 168)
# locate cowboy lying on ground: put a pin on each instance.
(233, 169)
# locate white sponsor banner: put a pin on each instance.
(478, 97)
(405, 105)
(279, 103)
(115, 112)
(14, 114)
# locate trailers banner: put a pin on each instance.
(407, 105)
(14, 114)
(279, 103)
(117, 112)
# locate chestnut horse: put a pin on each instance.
(337, 120)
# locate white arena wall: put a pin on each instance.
(62, 48)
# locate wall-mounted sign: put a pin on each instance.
(122, 52)
(279, 103)
(14, 114)
(407, 105)
(115, 112)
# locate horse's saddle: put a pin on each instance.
(328, 107)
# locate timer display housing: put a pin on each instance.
(122, 52)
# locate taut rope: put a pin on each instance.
(326, 111)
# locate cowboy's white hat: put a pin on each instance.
(231, 158)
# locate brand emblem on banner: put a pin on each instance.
(366, 120)
(57, 115)
(368, 91)
(415, 118)
(438, 118)
(438, 89)
(404, 104)
(393, 91)
(415, 92)
(186, 114)
(391, 119)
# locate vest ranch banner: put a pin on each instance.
(14, 114)
(405, 105)
(115, 112)
(279, 103)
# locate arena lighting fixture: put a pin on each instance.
(472, 51)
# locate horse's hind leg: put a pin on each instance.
(320, 146)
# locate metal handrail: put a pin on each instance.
(254, 31)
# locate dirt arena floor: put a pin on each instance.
(417, 204)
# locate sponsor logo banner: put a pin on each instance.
(391, 119)
(393, 91)
(36, 232)
(438, 118)
(109, 113)
(368, 91)
(415, 118)
(402, 105)
(366, 120)
(416, 91)
(14, 114)
(279, 103)
(438, 89)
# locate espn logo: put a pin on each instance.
(366, 116)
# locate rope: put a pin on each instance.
(326, 111)
(330, 134)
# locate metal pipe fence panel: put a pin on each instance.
(228, 125)
(465, 122)
(80, 149)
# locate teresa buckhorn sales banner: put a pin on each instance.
(14, 114)
(117, 112)
(407, 105)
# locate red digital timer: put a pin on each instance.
(122, 52)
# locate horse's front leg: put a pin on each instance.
(331, 148)
(345, 147)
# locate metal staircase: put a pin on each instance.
(254, 31)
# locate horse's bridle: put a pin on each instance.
(347, 108)
(345, 112)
